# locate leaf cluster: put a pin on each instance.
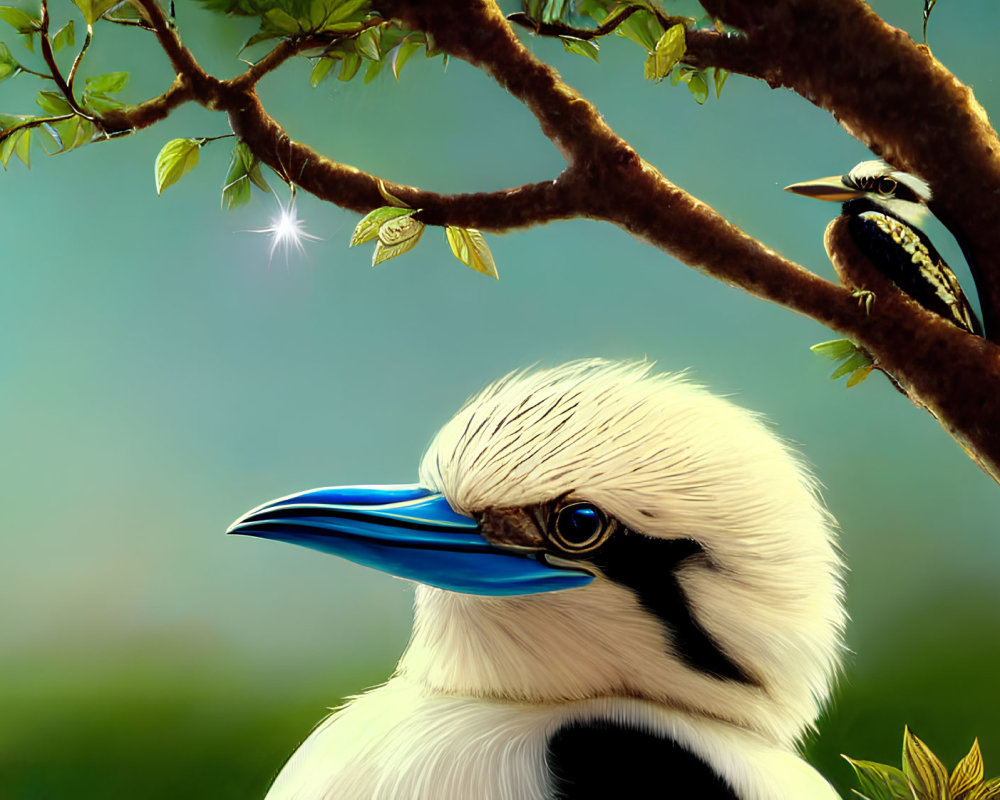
(663, 38)
(924, 777)
(852, 360)
(395, 231)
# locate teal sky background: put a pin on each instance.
(160, 376)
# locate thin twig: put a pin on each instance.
(612, 21)
(79, 57)
(50, 60)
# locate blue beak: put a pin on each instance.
(409, 532)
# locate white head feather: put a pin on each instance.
(911, 211)
(667, 459)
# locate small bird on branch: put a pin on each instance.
(884, 208)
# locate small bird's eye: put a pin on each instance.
(579, 527)
(886, 186)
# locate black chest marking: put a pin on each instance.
(600, 760)
(648, 566)
(906, 256)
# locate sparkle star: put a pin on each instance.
(287, 232)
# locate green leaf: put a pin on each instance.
(880, 781)
(66, 35)
(582, 47)
(397, 236)
(21, 21)
(669, 49)
(22, 146)
(178, 157)
(101, 103)
(72, 133)
(968, 772)
(924, 770)
(346, 9)
(109, 83)
(374, 68)
(321, 70)
(643, 28)
(281, 20)
(698, 87)
(367, 44)
(389, 196)
(857, 360)
(471, 249)
(8, 65)
(349, 66)
(368, 228)
(402, 53)
(244, 173)
(93, 9)
(721, 76)
(836, 350)
(7, 145)
(53, 103)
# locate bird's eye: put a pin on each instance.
(579, 527)
(886, 186)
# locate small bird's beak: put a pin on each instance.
(409, 532)
(832, 188)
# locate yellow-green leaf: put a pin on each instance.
(857, 360)
(721, 76)
(880, 781)
(924, 769)
(835, 350)
(987, 790)
(349, 66)
(698, 87)
(389, 196)
(401, 55)
(396, 237)
(93, 9)
(471, 249)
(670, 49)
(8, 64)
(368, 44)
(368, 228)
(320, 70)
(858, 375)
(66, 35)
(20, 20)
(582, 47)
(178, 157)
(968, 772)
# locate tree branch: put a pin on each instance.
(605, 178)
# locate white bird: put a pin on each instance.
(627, 587)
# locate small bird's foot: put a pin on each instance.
(865, 299)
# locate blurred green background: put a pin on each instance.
(161, 376)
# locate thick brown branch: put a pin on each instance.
(150, 112)
(351, 188)
(207, 89)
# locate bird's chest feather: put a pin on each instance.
(396, 743)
